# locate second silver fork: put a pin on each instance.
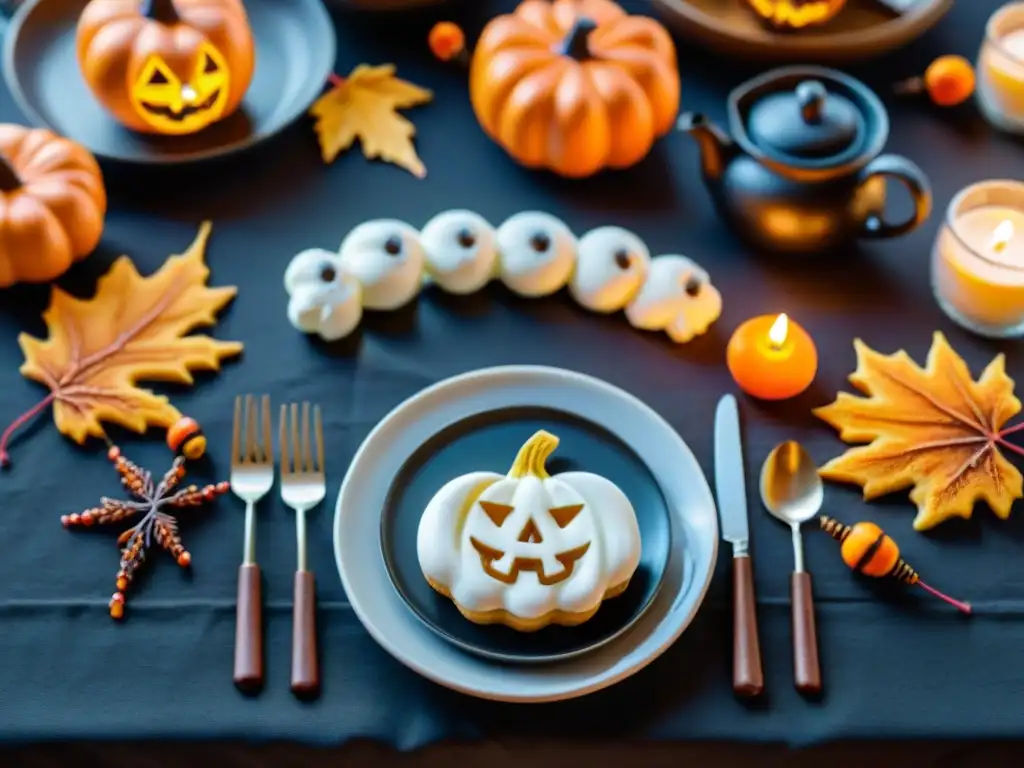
(303, 486)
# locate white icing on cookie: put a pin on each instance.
(386, 256)
(461, 251)
(536, 253)
(323, 298)
(677, 297)
(611, 265)
(529, 549)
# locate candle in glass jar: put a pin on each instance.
(1000, 69)
(978, 259)
(772, 358)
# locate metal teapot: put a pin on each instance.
(802, 171)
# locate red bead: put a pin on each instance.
(117, 597)
(65, 520)
(223, 487)
(114, 453)
(184, 559)
(209, 493)
(74, 518)
(87, 517)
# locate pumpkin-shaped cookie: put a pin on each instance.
(166, 66)
(574, 85)
(796, 14)
(52, 204)
(528, 549)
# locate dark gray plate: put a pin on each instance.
(295, 48)
(862, 30)
(489, 441)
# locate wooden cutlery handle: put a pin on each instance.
(249, 630)
(747, 676)
(806, 670)
(305, 671)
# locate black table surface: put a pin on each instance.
(902, 666)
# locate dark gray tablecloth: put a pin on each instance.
(902, 667)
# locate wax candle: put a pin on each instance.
(978, 259)
(772, 358)
(1000, 69)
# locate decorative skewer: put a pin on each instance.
(948, 81)
(867, 549)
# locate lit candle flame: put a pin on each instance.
(1002, 235)
(779, 331)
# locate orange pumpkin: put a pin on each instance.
(166, 66)
(574, 85)
(796, 14)
(52, 204)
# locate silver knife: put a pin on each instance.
(747, 675)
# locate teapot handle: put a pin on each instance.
(912, 177)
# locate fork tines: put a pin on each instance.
(251, 442)
(297, 454)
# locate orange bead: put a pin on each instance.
(74, 518)
(117, 610)
(869, 550)
(184, 559)
(772, 358)
(121, 583)
(949, 80)
(446, 40)
(87, 517)
(185, 437)
(65, 520)
(113, 453)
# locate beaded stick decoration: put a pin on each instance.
(158, 525)
(867, 549)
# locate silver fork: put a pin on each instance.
(302, 487)
(252, 475)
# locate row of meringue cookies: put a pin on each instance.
(383, 264)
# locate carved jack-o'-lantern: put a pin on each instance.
(796, 14)
(528, 549)
(166, 66)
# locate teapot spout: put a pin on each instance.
(715, 145)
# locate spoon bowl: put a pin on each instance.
(790, 487)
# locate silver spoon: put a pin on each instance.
(792, 492)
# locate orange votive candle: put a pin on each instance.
(772, 358)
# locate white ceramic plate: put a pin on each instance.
(386, 616)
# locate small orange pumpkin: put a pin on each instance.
(52, 204)
(574, 85)
(166, 66)
(796, 14)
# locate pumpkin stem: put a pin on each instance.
(531, 457)
(9, 179)
(162, 11)
(577, 44)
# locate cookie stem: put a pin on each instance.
(532, 456)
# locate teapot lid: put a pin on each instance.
(808, 122)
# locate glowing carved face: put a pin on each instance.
(185, 99)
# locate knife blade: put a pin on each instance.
(729, 481)
(730, 486)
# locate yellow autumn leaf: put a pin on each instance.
(934, 429)
(364, 106)
(134, 329)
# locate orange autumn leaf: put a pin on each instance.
(934, 430)
(364, 106)
(134, 329)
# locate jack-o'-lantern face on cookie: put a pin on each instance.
(182, 93)
(529, 548)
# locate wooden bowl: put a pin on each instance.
(862, 30)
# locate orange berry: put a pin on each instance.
(88, 518)
(446, 40)
(113, 453)
(949, 80)
(184, 559)
(121, 583)
(117, 610)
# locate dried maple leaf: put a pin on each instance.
(363, 106)
(934, 430)
(133, 329)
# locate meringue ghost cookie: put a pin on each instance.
(386, 256)
(536, 253)
(323, 298)
(460, 250)
(677, 298)
(611, 266)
